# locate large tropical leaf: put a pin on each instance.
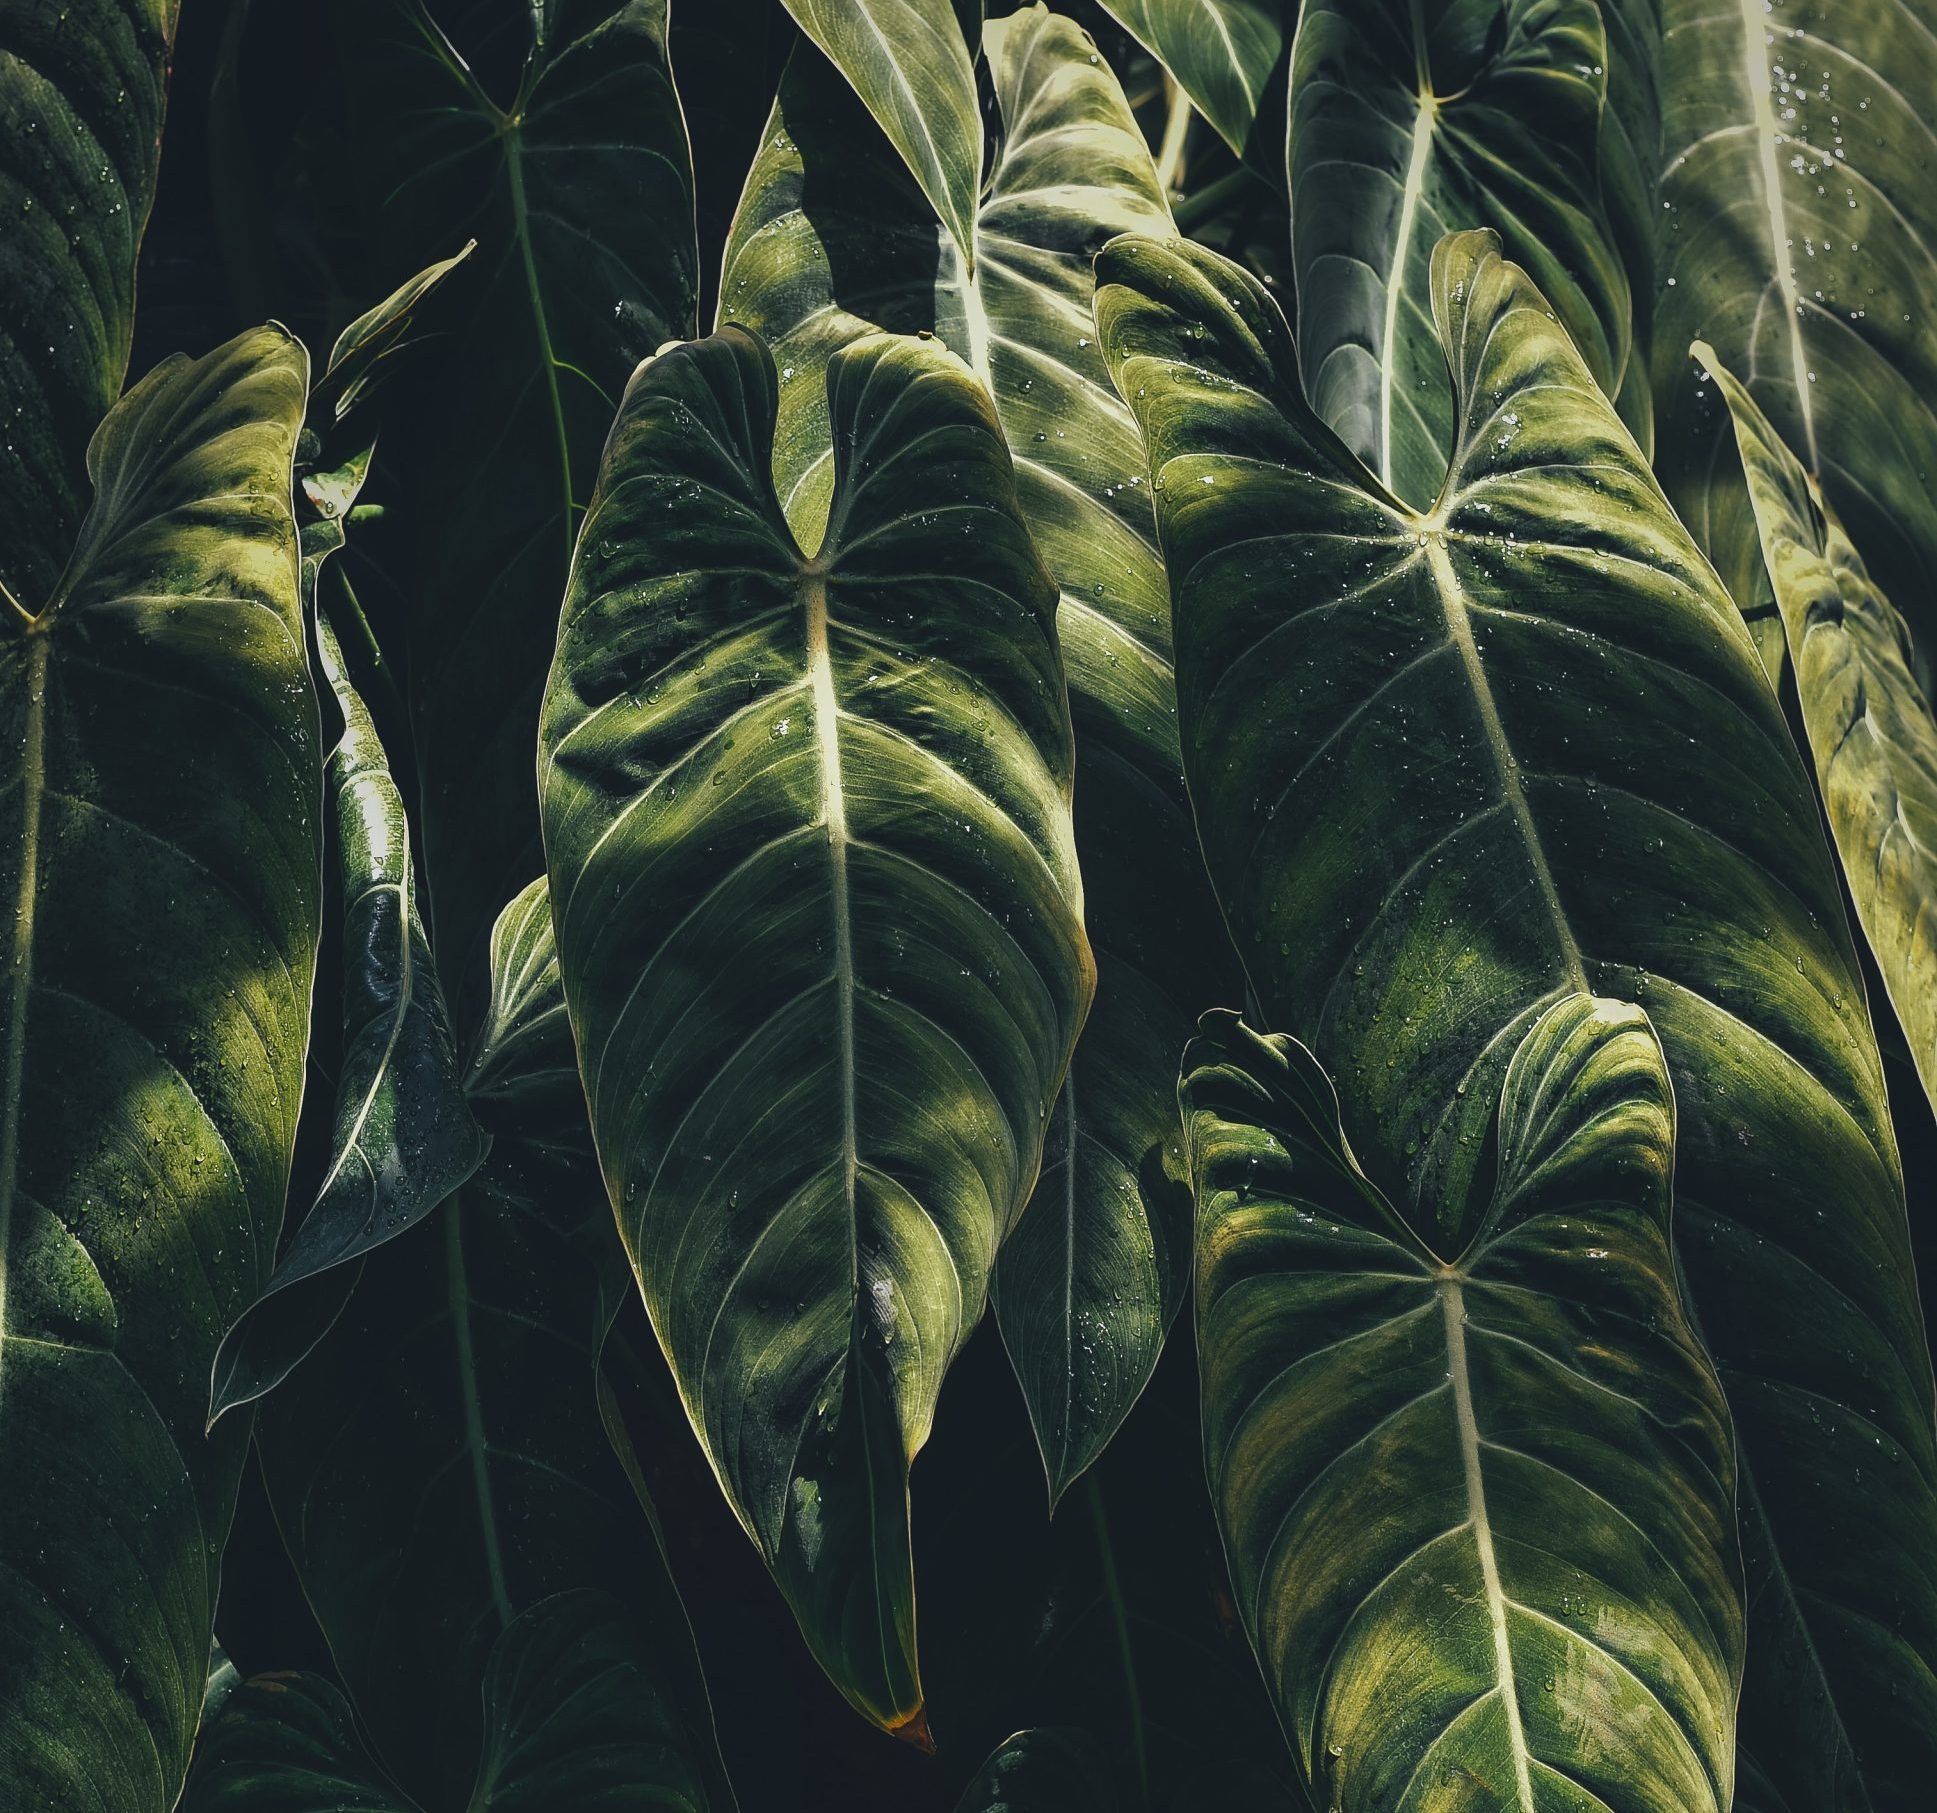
(578, 187)
(1413, 117)
(1227, 55)
(1478, 1497)
(1870, 728)
(575, 1714)
(405, 1136)
(429, 1494)
(832, 240)
(1452, 765)
(81, 89)
(160, 877)
(1798, 236)
(909, 63)
(807, 822)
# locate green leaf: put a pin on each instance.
(909, 63)
(1798, 237)
(1451, 766)
(81, 89)
(575, 1714)
(1478, 1498)
(405, 1137)
(832, 240)
(578, 187)
(1412, 117)
(807, 819)
(159, 881)
(1870, 728)
(1046, 1770)
(429, 1496)
(1227, 55)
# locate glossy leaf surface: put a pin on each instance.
(831, 240)
(1798, 237)
(1870, 728)
(1479, 1501)
(1225, 54)
(578, 188)
(1410, 118)
(81, 89)
(159, 874)
(1044, 1770)
(909, 63)
(1450, 766)
(807, 823)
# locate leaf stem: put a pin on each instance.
(1170, 154)
(1191, 211)
(1120, 1617)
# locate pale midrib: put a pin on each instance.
(1762, 104)
(1422, 150)
(833, 804)
(20, 955)
(521, 231)
(460, 1294)
(1460, 629)
(976, 315)
(1452, 1306)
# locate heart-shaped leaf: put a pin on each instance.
(807, 820)
(1870, 728)
(1411, 117)
(1227, 55)
(1450, 765)
(578, 187)
(81, 90)
(1479, 1501)
(831, 241)
(1798, 237)
(159, 883)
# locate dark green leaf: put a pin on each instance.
(578, 187)
(81, 89)
(1412, 117)
(1449, 766)
(1479, 1499)
(1047, 1770)
(807, 818)
(910, 64)
(1227, 55)
(159, 881)
(1798, 236)
(833, 240)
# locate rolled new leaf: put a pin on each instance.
(832, 240)
(575, 1714)
(159, 893)
(1478, 1496)
(81, 92)
(1797, 232)
(1451, 765)
(1411, 117)
(818, 916)
(405, 1136)
(1869, 724)
(1228, 56)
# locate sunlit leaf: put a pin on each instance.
(1228, 55)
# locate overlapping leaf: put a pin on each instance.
(1452, 765)
(578, 187)
(807, 823)
(81, 88)
(1227, 55)
(159, 874)
(575, 1714)
(1869, 726)
(831, 241)
(1799, 238)
(1478, 1500)
(440, 1468)
(1413, 117)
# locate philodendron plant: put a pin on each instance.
(1226, 652)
